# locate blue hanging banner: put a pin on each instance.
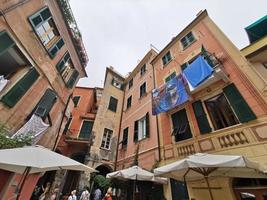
(168, 96)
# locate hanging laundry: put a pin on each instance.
(168, 96)
(35, 127)
(198, 71)
(3, 82)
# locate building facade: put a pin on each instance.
(42, 58)
(224, 114)
(107, 124)
(138, 141)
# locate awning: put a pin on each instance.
(37, 159)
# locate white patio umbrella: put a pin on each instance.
(137, 174)
(204, 165)
(35, 159)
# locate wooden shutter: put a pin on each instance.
(20, 88)
(61, 64)
(147, 126)
(201, 117)
(135, 131)
(40, 17)
(238, 103)
(46, 103)
(86, 129)
(113, 104)
(5, 42)
(72, 79)
(55, 48)
(125, 137)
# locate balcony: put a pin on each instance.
(218, 74)
(238, 139)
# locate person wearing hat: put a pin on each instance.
(72, 195)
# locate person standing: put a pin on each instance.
(85, 194)
(73, 195)
(97, 194)
(108, 194)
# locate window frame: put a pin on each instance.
(188, 40)
(142, 93)
(124, 142)
(105, 139)
(166, 58)
(115, 106)
(86, 120)
(129, 102)
(143, 70)
(130, 83)
(78, 100)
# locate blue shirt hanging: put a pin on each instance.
(198, 71)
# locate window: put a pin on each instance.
(141, 128)
(106, 140)
(11, 58)
(187, 40)
(125, 138)
(113, 104)
(117, 84)
(129, 102)
(67, 126)
(45, 28)
(86, 129)
(143, 70)
(185, 65)
(201, 117)
(130, 84)
(181, 128)
(220, 112)
(20, 88)
(166, 58)
(173, 74)
(143, 89)
(76, 100)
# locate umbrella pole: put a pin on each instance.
(23, 179)
(207, 181)
(134, 187)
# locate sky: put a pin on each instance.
(119, 33)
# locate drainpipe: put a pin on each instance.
(61, 121)
(118, 142)
(157, 119)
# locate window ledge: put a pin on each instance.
(143, 96)
(163, 66)
(102, 148)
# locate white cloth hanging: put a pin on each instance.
(3, 83)
(35, 127)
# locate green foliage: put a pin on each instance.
(101, 181)
(7, 142)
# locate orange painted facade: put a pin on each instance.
(148, 154)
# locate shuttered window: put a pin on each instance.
(20, 88)
(141, 128)
(46, 103)
(67, 126)
(173, 74)
(142, 90)
(181, 128)
(86, 129)
(76, 100)
(130, 84)
(113, 104)
(201, 117)
(143, 70)
(106, 140)
(72, 79)
(129, 102)
(187, 40)
(238, 103)
(125, 137)
(166, 58)
(45, 28)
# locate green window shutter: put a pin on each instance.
(45, 14)
(201, 117)
(72, 79)
(238, 103)
(135, 131)
(76, 100)
(125, 137)
(113, 102)
(40, 17)
(46, 103)
(20, 88)
(86, 129)
(147, 126)
(61, 64)
(5, 42)
(55, 48)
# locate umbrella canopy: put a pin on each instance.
(136, 173)
(198, 165)
(37, 159)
